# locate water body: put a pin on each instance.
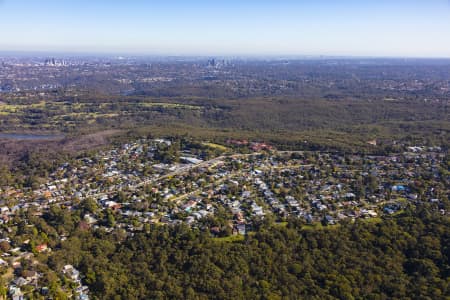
(30, 137)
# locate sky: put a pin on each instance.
(394, 28)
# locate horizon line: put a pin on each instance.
(143, 54)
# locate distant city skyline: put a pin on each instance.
(396, 28)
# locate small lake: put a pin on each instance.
(30, 137)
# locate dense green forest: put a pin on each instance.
(363, 118)
(402, 257)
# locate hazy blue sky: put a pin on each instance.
(216, 27)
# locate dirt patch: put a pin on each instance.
(89, 141)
